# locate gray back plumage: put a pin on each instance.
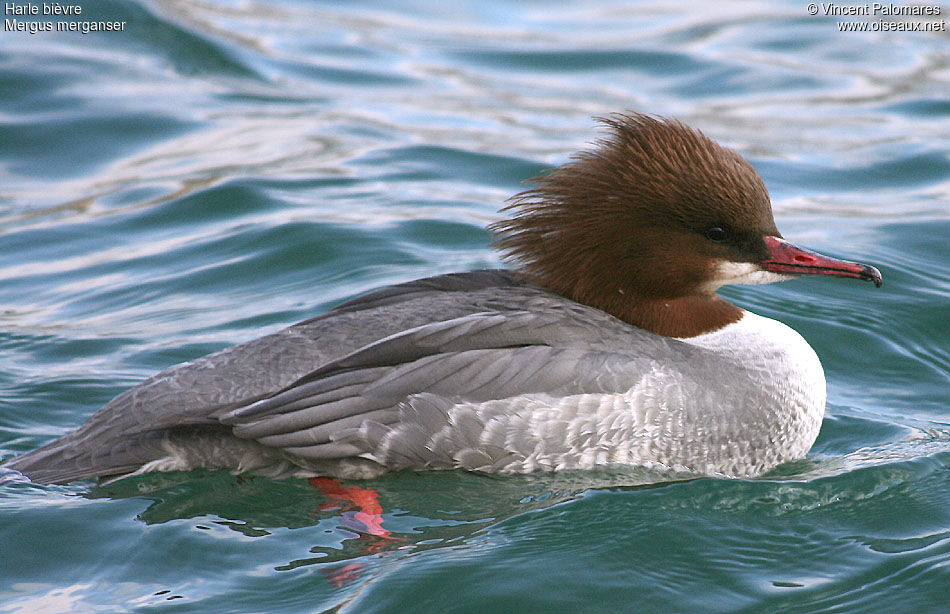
(371, 385)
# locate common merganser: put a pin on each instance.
(606, 345)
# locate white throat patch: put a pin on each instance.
(727, 273)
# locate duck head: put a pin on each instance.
(649, 223)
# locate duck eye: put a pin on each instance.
(717, 234)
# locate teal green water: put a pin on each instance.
(218, 170)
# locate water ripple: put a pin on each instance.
(221, 169)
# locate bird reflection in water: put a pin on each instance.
(361, 512)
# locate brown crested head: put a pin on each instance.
(640, 224)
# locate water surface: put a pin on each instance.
(219, 170)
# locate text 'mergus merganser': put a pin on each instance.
(606, 345)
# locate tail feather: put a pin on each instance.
(59, 462)
(178, 449)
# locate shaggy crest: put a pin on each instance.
(589, 228)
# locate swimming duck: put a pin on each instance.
(604, 344)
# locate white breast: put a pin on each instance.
(779, 409)
(754, 400)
